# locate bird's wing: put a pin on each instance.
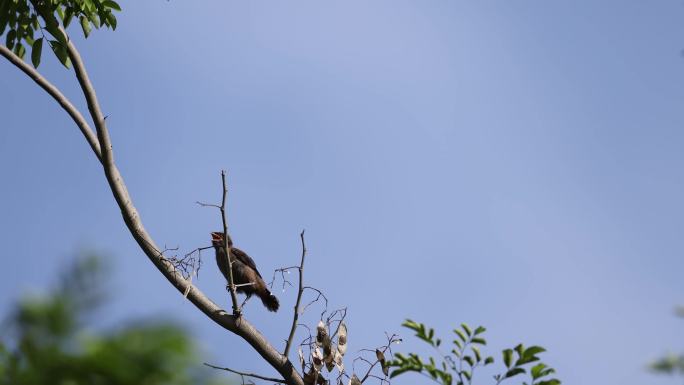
(244, 258)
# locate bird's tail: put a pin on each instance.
(269, 300)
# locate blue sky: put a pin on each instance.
(511, 164)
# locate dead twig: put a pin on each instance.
(295, 316)
(270, 379)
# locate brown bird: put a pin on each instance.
(244, 271)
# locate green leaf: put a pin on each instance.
(480, 330)
(478, 340)
(4, 15)
(476, 351)
(508, 357)
(61, 53)
(20, 50)
(68, 16)
(489, 360)
(56, 33)
(36, 51)
(460, 335)
(549, 382)
(111, 20)
(514, 372)
(467, 329)
(9, 39)
(533, 350)
(469, 360)
(85, 25)
(111, 4)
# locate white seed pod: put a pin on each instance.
(342, 338)
(321, 333)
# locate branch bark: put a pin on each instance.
(295, 317)
(102, 147)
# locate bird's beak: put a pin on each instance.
(216, 237)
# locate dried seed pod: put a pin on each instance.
(383, 363)
(342, 338)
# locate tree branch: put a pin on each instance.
(295, 317)
(132, 219)
(270, 379)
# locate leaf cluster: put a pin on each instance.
(46, 342)
(28, 23)
(459, 365)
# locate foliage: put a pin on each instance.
(670, 363)
(29, 23)
(465, 357)
(47, 343)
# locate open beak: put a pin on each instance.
(216, 237)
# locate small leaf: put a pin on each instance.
(480, 330)
(476, 351)
(508, 357)
(111, 4)
(85, 25)
(467, 329)
(478, 340)
(9, 39)
(489, 360)
(68, 16)
(20, 50)
(36, 51)
(61, 53)
(460, 335)
(514, 372)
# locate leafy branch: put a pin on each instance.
(466, 355)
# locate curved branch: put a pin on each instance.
(132, 219)
(103, 151)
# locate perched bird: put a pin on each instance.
(244, 271)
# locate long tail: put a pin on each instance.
(269, 300)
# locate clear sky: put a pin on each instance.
(516, 164)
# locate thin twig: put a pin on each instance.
(295, 317)
(271, 379)
(228, 244)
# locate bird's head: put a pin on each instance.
(217, 239)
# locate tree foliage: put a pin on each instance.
(47, 342)
(458, 366)
(29, 23)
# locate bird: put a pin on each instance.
(244, 272)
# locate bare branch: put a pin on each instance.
(295, 316)
(247, 374)
(228, 244)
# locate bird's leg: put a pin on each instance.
(239, 310)
(245, 301)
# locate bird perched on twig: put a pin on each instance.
(245, 272)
